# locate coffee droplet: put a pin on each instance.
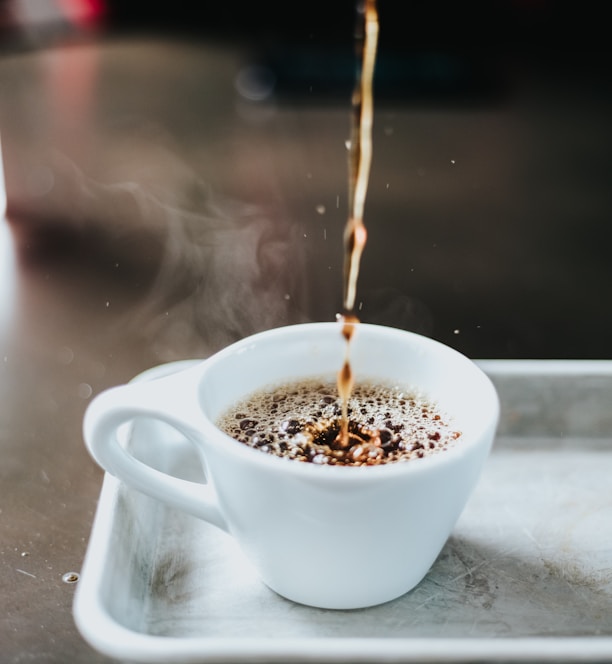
(70, 577)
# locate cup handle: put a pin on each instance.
(171, 399)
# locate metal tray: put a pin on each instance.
(525, 576)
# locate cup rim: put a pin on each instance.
(351, 473)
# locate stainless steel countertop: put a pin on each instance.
(156, 214)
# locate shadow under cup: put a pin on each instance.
(333, 537)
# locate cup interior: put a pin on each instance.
(448, 378)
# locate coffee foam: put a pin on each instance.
(301, 421)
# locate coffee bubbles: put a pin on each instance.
(303, 421)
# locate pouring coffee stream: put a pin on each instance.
(355, 233)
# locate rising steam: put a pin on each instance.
(218, 269)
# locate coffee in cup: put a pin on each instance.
(302, 421)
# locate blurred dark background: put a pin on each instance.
(490, 196)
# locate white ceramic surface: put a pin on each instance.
(331, 537)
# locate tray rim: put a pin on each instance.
(546, 367)
(106, 635)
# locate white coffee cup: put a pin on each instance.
(327, 536)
